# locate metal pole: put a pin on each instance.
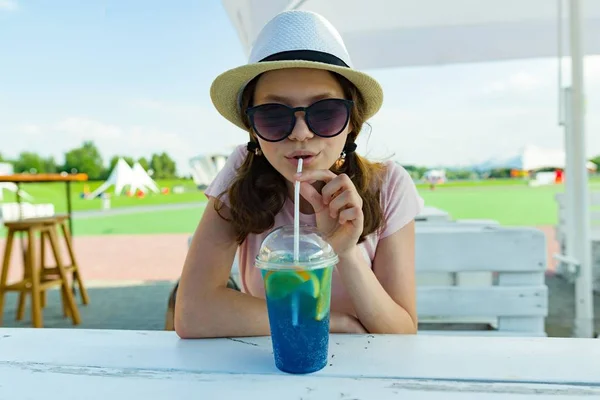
(559, 39)
(69, 206)
(570, 200)
(584, 307)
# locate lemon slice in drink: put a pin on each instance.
(279, 284)
(324, 299)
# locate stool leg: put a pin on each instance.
(36, 304)
(68, 295)
(23, 294)
(76, 274)
(22, 304)
(43, 264)
(4, 273)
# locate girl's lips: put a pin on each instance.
(306, 160)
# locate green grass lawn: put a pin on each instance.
(164, 221)
(55, 193)
(511, 202)
(510, 205)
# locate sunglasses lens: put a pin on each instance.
(328, 117)
(273, 121)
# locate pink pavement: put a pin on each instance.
(121, 257)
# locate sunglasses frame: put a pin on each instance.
(250, 111)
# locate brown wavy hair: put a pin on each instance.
(258, 192)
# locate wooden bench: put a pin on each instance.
(461, 278)
(561, 228)
(516, 302)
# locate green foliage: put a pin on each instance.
(163, 166)
(86, 159)
(28, 162)
(144, 163)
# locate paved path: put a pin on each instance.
(135, 209)
(124, 257)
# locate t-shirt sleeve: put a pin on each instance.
(225, 176)
(401, 200)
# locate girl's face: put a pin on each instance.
(301, 88)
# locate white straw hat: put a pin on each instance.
(293, 39)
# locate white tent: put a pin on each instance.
(205, 168)
(383, 33)
(531, 158)
(12, 187)
(6, 168)
(120, 176)
(141, 180)
(435, 176)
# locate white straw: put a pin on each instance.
(295, 308)
(296, 215)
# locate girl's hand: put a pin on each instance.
(338, 207)
(345, 323)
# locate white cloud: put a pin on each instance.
(458, 136)
(30, 129)
(208, 133)
(80, 129)
(446, 116)
(8, 5)
(174, 109)
(519, 82)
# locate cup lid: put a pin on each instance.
(277, 249)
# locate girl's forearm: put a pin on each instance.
(374, 307)
(222, 312)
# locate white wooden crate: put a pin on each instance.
(516, 301)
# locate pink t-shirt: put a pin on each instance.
(400, 203)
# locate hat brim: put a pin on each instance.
(226, 88)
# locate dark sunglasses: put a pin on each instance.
(325, 118)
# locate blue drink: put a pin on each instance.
(298, 304)
(298, 298)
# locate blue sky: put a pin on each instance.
(134, 76)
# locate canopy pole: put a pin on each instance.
(584, 308)
(559, 49)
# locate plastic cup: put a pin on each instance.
(298, 297)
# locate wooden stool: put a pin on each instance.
(62, 220)
(35, 281)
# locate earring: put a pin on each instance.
(348, 148)
(254, 148)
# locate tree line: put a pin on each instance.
(417, 172)
(87, 159)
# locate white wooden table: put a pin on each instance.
(103, 364)
(433, 214)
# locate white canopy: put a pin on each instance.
(122, 176)
(141, 180)
(205, 167)
(12, 187)
(531, 158)
(384, 33)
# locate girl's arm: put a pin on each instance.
(384, 297)
(206, 307)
